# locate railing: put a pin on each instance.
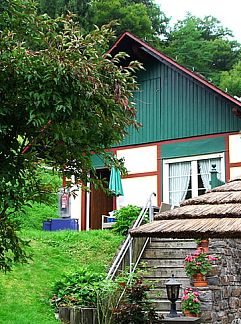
(132, 249)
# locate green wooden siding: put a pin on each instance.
(192, 148)
(172, 105)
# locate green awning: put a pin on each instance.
(115, 184)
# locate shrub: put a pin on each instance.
(135, 307)
(32, 216)
(90, 289)
(78, 288)
(125, 218)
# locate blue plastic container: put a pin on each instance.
(110, 220)
(47, 225)
(58, 224)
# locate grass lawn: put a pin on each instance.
(25, 292)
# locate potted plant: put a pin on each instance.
(197, 265)
(191, 303)
(202, 244)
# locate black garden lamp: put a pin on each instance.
(173, 288)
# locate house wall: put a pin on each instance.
(234, 143)
(141, 164)
(180, 117)
(172, 105)
(145, 164)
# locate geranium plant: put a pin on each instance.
(199, 262)
(190, 301)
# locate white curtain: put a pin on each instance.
(206, 167)
(179, 177)
(205, 173)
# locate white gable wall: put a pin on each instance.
(235, 155)
(141, 164)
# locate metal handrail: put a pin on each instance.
(127, 245)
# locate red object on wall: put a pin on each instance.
(64, 201)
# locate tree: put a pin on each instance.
(144, 18)
(203, 45)
(82, 8)
(231, 80)
(62, 98)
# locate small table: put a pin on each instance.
(106, 223)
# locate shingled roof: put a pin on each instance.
(215, 214)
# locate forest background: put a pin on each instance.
(202, 45)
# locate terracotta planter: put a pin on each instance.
(187, 313)
(203, 245)
(199, 280)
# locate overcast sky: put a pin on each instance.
(227, 11)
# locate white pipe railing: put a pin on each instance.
(127, 245)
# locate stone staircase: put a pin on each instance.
(161, 259)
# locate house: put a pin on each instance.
(188, 126)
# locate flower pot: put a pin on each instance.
(203, 245)
(187, 313)
(199, 280)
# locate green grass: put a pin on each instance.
(25, 292)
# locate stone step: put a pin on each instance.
(165, 313)
(164, 305)
(161, 259)
(161, 263)
(155, 239)
(164, 253)
(173, 244)
(161, 282)
(161, 293)
(161, 272)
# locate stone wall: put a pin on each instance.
(221, 300)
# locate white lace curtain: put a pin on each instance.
(179, 177)
(205, 168)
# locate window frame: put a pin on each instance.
(194, 169)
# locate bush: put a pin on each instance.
(125, 218)
(79, 288)
(90, 289)
(33, 216)
(135, 307)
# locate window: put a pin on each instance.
(189, 177)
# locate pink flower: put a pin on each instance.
(212, 258)
(195, 293)
(189, 258)
(197, 252)
(196, 300)
(185, 297)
